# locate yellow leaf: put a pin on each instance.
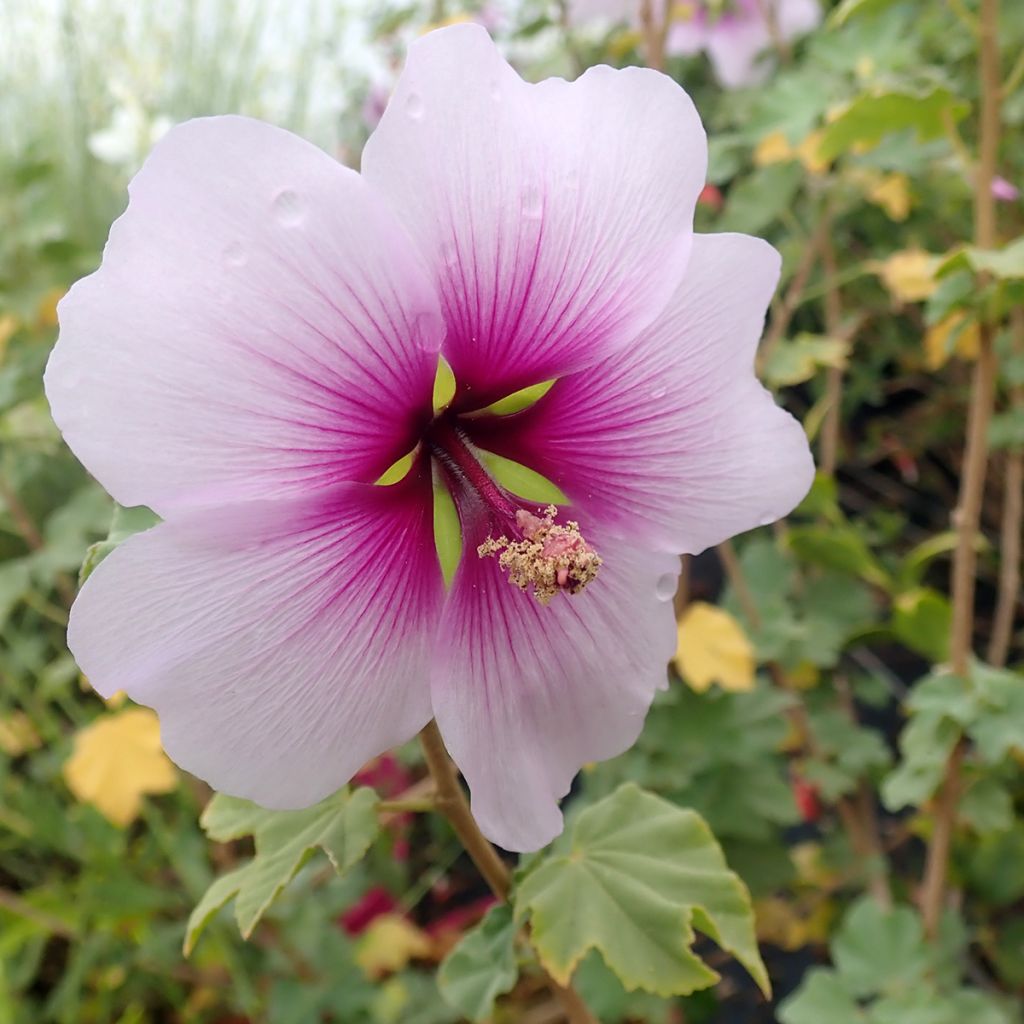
(937, 347)
(389, 943)
(46, 311)
(714, 648)
(116, 760)
(18, 734)
(909, 275)
(807, 151)
(8, 325)
(793, 923)
(773, 149)
(892, 194)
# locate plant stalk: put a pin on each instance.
(1012, 525)
(452, 803)
(967, 515)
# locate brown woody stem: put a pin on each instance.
(452, 803)
(967, 516)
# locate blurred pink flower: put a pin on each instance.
(1004, 190)
(260, 345)
(735, 33)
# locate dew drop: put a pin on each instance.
(234, 255)
(449, 254)
(414, 106)
(289, 208)
(532, 202)
(766, 519)
(665, 588)
(657, 393)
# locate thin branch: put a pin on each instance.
(966, 517)
(655, 33)
(452, 803)
(1012, 524)
(794, 293)
(834, 374)
(1015, 77)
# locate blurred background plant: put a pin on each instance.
(861, 769)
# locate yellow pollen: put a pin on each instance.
(549, 558)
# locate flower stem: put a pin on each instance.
(967, 516)
(834, 374)
(1012, 523)
(452, 803)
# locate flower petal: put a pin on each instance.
(525, 695)
(675, 442)
(734, 45)
(557, 217)
(797, 17)
(260, 325)
(282, 643)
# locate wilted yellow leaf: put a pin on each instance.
(713, 648)
(909, 275)
(116, 760)
(46, 311)
(937, 346)
(793, 923)
(389, 943)
(18, 734)
(773, 149)
(8, 325)
(892, 193)
(807, 152)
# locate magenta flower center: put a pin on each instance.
(537, 553)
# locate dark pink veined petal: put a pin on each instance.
(557, 217)
(674, 442)
(525, 695)
(282, 643)
(260, 325)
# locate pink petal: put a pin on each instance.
(797, 17)
(687, 37)
(675, 442)
(282, 643)
(557, 217)
(260, 325)
(734, 45)
(524, 694)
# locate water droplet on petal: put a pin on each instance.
(532, 202)
(766, 519)
(289, 208)
(414, 106)
(449, 254)
(234, 255)
(657, 393)
(665, 588)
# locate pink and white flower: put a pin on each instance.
(260, 344)
(735, 33)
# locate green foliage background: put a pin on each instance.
(819, 784)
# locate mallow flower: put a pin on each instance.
(260, 345)
(734, 33)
